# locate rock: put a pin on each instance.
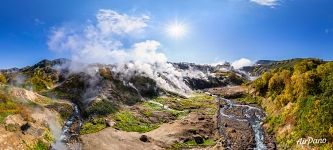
(185, 139)
(233, 131)
(192, 131)
(109, 123)
(144, 138)
(198, 139)
(201, 118)
(31, 130)
(25, 127)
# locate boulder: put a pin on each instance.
(144, 138)
(198, 139)
(109, 123)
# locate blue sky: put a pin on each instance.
(217, 30)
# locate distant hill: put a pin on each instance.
(262, 66)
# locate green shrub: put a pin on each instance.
(101, 108)
(40, 145)
(3, 79)
(7, 107)
(93, 126)
(303, 96)
(193, 144)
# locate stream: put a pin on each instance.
(245, 113)
(69, 138)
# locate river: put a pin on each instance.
(244, 113)
(69, 138)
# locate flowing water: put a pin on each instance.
(69, 139)
(250, 114)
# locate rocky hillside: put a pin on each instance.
(29, 120)
(32, 95)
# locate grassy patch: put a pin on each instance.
(192, 144)
(43, 100)
(12, 127)
(198, 102)
(126, 121)
(10, 107)
(93, 126)
(151, 107)
(40, 145)
(48, 136)
(7, 107)
(248, 99)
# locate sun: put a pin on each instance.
(176, 30)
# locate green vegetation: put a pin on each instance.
(55, 92)
(198, 102)
(126, 121)
(151, 107)
(284, 64)
(192, 144)
(48, 136)
(12, 127)
(93, 126)
(300, 97)
(40, 145)
(97, 111)
(64, 109)
(3, 79)
(249, 99)
(101, 108)
(7, 107)
(40, 79)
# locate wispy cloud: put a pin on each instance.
(270, 3)
(38, 22)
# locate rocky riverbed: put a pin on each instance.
(69, 138)
(241, 125)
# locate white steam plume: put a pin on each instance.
(101, 43)
(241, 63)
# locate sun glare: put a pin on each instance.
(176, 30)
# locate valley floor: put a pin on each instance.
(181, 133)
(161, 138)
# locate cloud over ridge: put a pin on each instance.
(241, 63)
(101, 42)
